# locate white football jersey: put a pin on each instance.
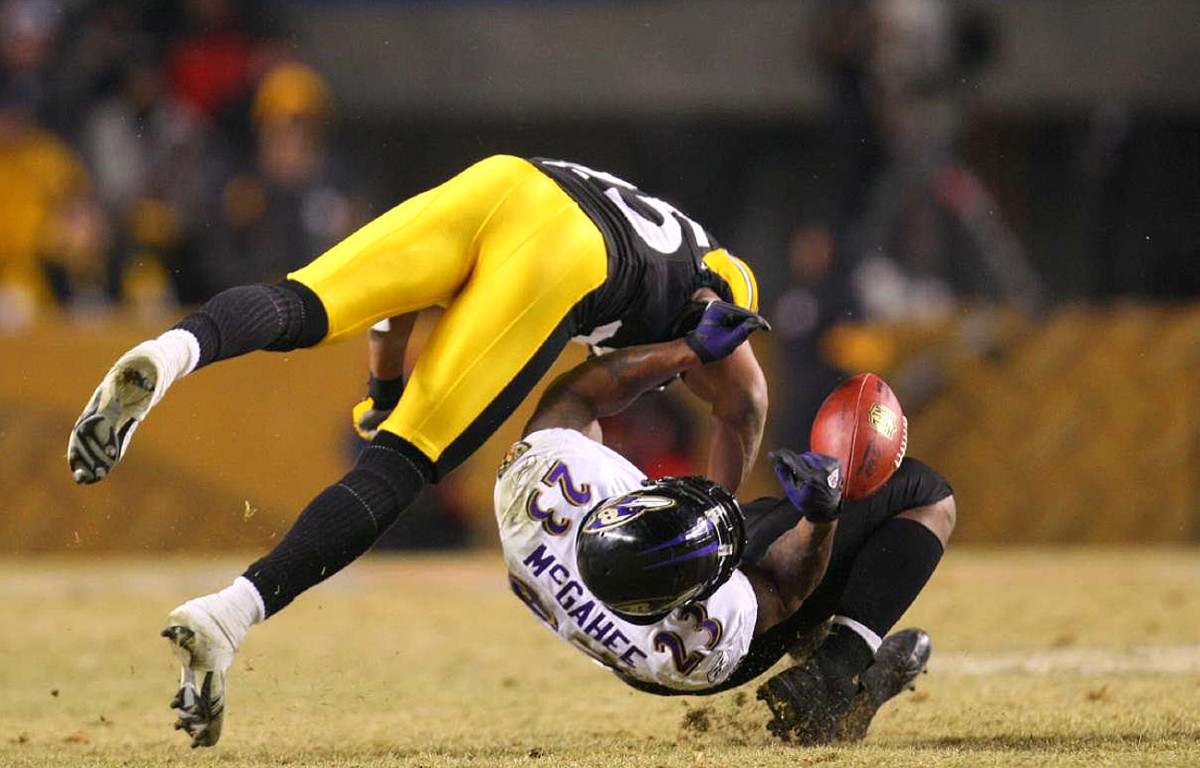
(545, 486)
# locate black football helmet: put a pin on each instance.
(649, 551)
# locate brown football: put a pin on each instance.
(862, 424)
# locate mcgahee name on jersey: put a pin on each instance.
(587, 615)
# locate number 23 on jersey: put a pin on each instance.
(577, 496)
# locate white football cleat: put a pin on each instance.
(129, 390)
(102, 433)
(205, 654)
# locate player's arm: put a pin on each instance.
(606, 384)
(736, 389)
(789, 545)
(386, 344)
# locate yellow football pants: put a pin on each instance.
(508, 254)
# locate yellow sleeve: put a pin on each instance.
(737, 275)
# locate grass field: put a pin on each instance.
(1041, 658)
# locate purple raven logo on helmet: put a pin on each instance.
(619, 510)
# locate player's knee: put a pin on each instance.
(386, 480)
(944, 516)
(391, 467)
(951, 515)
(305, 319)
(939, 517)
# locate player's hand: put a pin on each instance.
(722, 328)
(367, 418)
(381, 400)
(811, 481)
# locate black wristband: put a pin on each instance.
(385, 394)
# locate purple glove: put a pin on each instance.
(722, 329)
(811, 481)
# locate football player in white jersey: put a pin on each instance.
(675, 611)
(667, 583)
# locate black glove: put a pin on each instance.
(811, 481)
(723, 327)
(382, 397)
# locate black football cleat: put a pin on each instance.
(901, 658)
(807, 702)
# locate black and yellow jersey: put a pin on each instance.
(657, 259)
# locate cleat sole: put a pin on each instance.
(99, 437)
(199, 702)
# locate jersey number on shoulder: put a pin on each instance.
(687, 661)
(558, 475)
(665, 236)
(528, 595)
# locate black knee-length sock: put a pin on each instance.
(278, 317)
(888, 573)
(342, 522)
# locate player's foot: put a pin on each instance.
(900, 659)
(205, 654)
(104, 429)
(807, 702)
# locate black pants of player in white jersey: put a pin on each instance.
(913, 485)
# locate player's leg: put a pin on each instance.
(502, 332)
(884, 579)
(881, 563)
(336, 527)
(416, 255)
(857, 666)
(538, 256)
(422, 252)
(277, 317)
(538, 259)
(908, 549)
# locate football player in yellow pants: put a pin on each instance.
(523, 255)
(478, 247)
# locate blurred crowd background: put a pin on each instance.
(157, 152)
(994, 204)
